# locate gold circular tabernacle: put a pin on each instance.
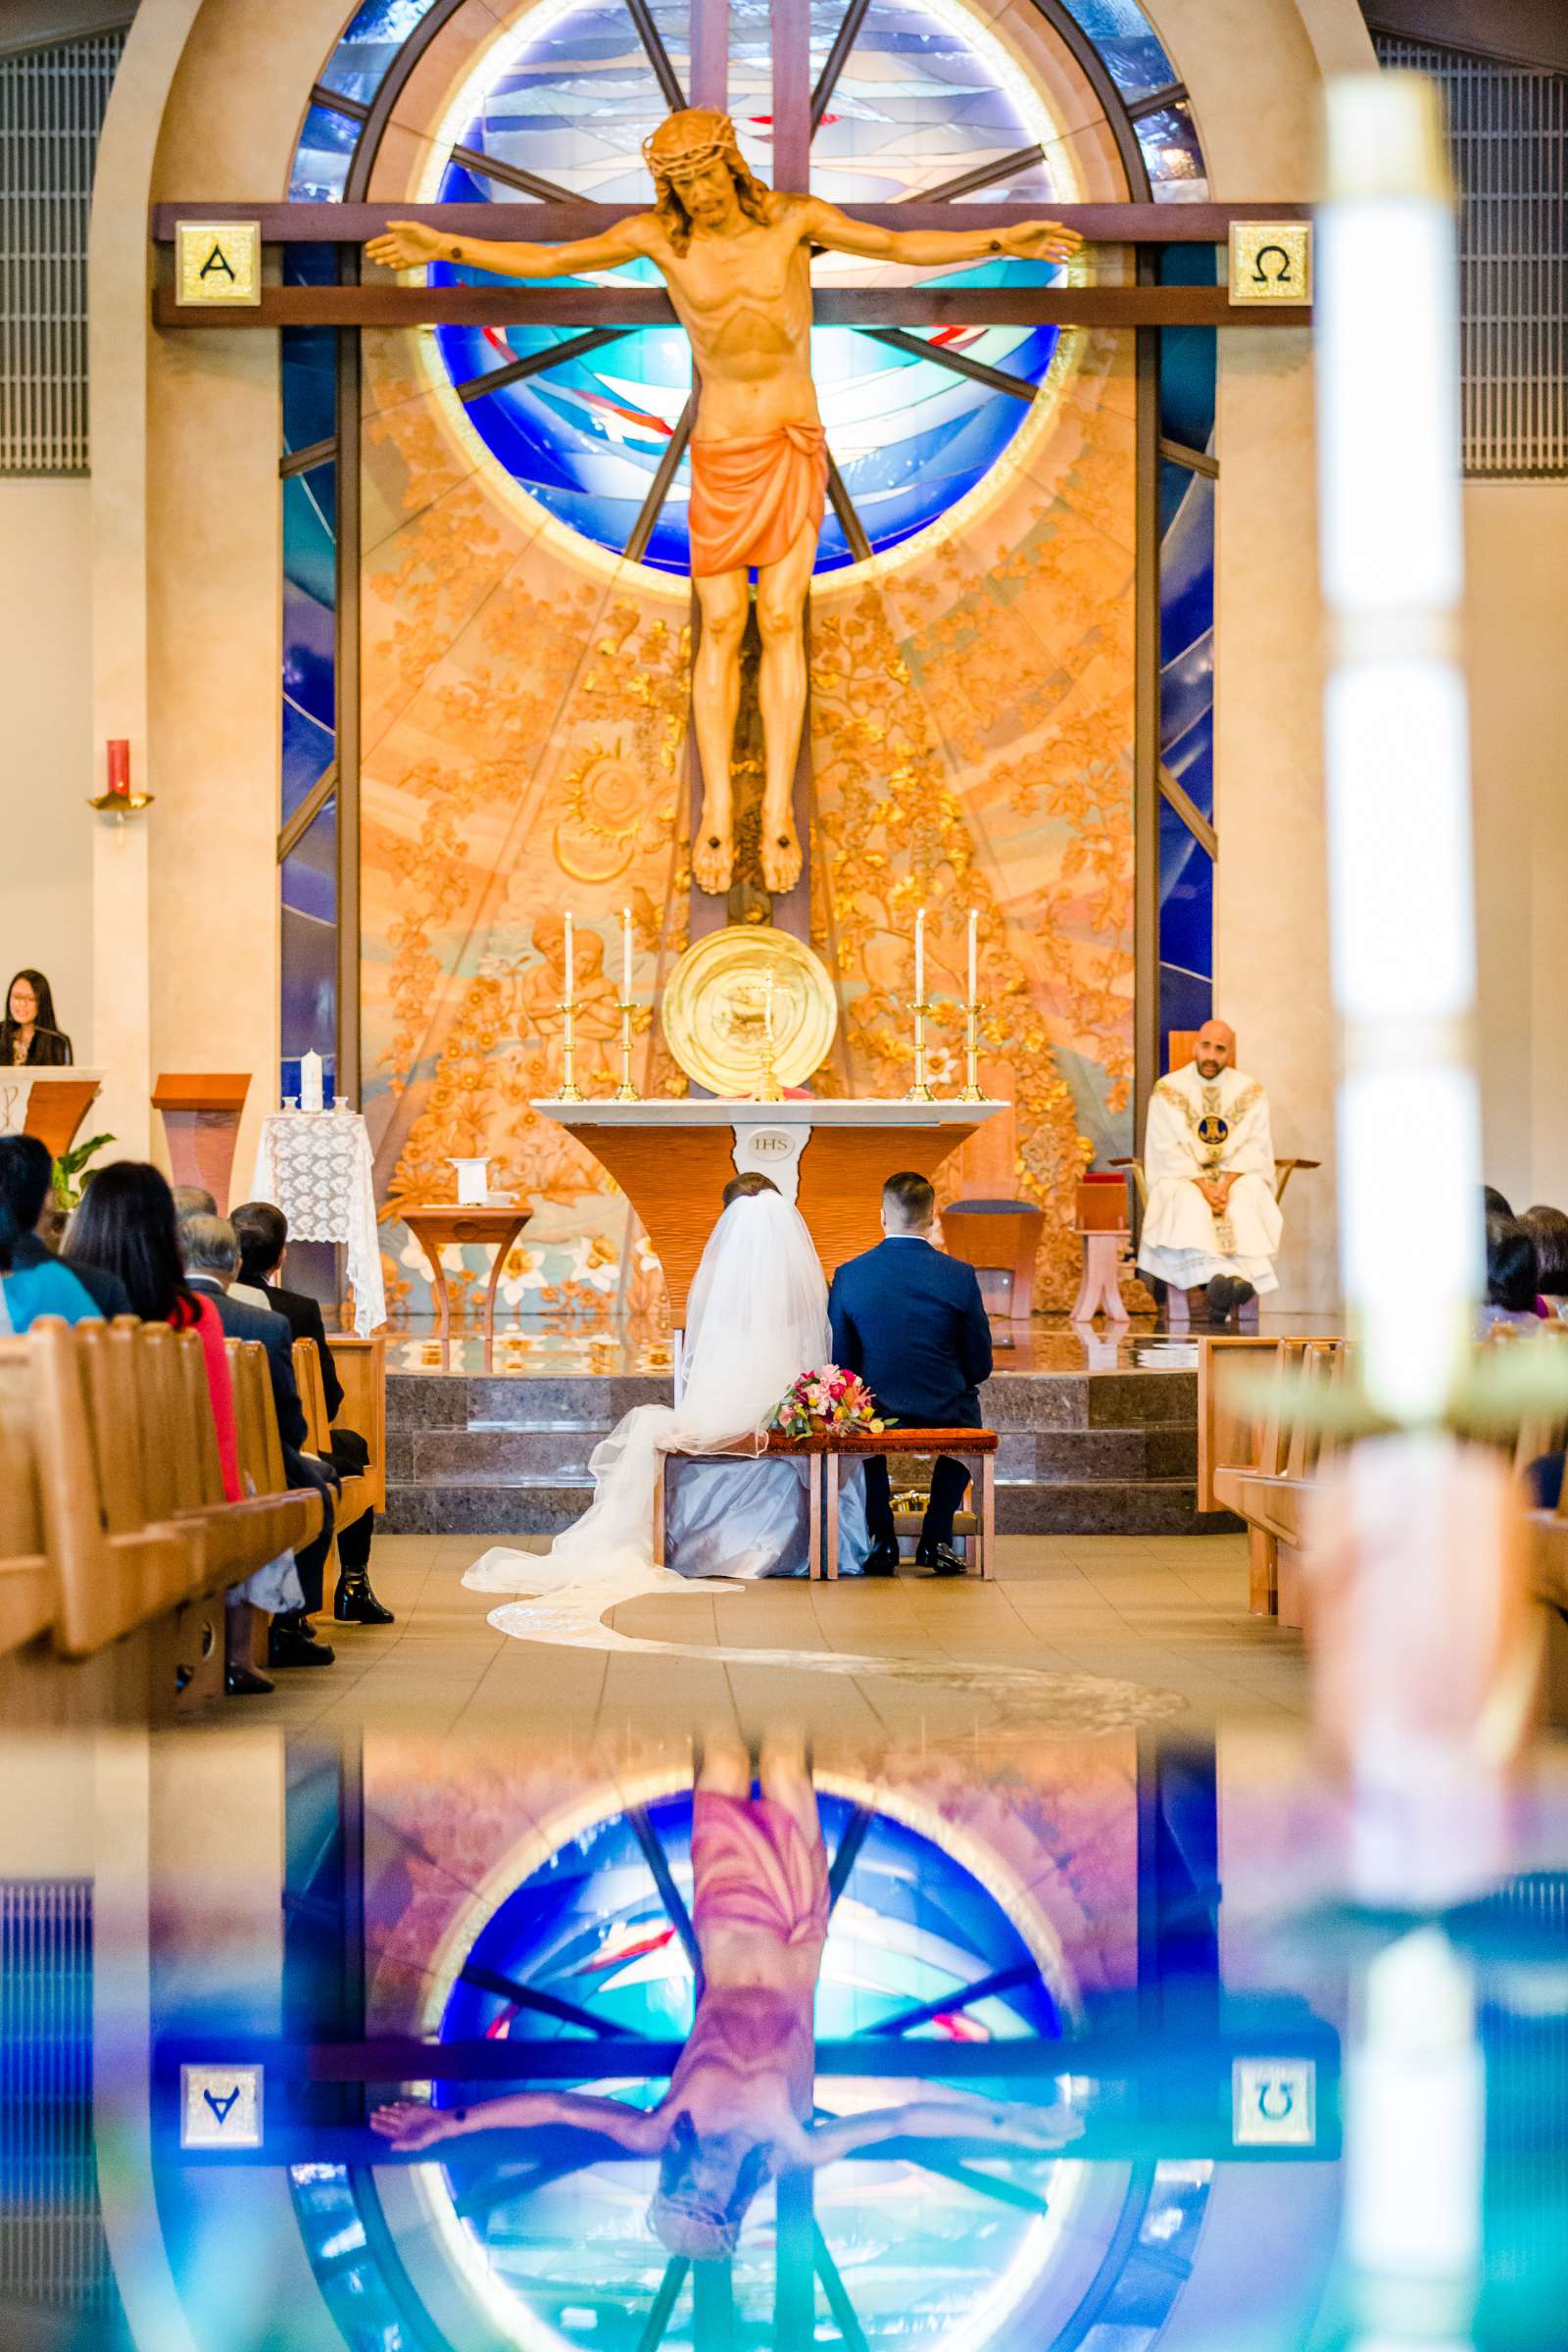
(714, 1009)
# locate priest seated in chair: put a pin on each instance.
(1211, 1228)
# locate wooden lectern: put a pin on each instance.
(48, 1103)
(201, 1112)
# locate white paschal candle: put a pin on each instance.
(625, 954)
(1396, 737)
(919, 956)
(571, 993)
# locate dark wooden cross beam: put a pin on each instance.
(499, 303)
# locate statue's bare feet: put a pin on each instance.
(781, 853)
(713, 852)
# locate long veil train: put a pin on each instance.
(757, 1318)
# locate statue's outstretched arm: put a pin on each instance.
(928, 248)
(1004, 2123)
(412, 244)
(410, 2124)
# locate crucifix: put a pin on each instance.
(736, 258)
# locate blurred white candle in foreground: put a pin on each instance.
(625, 954)
(919, 956)
(571, 993)
(1396, 737)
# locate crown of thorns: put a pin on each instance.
(694, 152)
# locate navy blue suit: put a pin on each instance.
(912, 1322)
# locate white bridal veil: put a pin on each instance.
(756, 1320)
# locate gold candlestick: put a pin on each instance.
(626, 1092)
(919, 1092)
(569, 1090)
(973, 1091)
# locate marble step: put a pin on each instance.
(541, 1451)
(1011, 1400)
(1149, 1507)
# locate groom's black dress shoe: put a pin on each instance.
(940, 1558)
(883, 1560)
(354, 1604)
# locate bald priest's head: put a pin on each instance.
(1215, 1048)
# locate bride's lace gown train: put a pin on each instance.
(756, 1319)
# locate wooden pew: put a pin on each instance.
(356, 1492)
(361, 1366)
(1279, 1458)
(1549, 1578)
(102, 1636)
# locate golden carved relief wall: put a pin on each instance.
(523, 716)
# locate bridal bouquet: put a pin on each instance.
(829, 1398)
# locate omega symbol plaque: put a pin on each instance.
(1271, 260)
(217, 263)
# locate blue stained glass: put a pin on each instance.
(309, 943)
(358, 65)
(1185, 1002)
(1172, 155)
(1185, 898)
(1187, 640)
(1125, 40)
(323, 156)
(1187, 354)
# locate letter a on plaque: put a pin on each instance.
(217, 262)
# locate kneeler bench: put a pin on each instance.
(804, 1449)
(976, 1531)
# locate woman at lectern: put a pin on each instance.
(29, 1035)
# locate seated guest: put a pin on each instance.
(29, 1037)
(1547, 1228)
(1213, 1225)
(211, 1255)
(25, 1175)
(1493, 1202)
(1512, 1290)
(125, 1224)
(31, 1286)
(262, 1232)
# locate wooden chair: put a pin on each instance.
(808, 1450)
(999, 1239)
(361, 1366)
(976, 1531)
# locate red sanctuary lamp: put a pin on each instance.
(120, 799)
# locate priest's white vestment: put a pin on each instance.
(1201, 1128)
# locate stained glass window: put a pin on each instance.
(308, 681)
(1187, 513)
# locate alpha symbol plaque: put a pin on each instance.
(217, 263)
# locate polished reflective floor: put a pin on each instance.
(704, 2032)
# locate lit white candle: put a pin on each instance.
(571, 993)
(1401, 866)
(974, 928)
(625, 954)
(919, 956)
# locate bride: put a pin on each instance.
(756, 1320)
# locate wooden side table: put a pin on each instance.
(437, 1225)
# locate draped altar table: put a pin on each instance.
(673, 1158)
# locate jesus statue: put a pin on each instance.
(736, 258)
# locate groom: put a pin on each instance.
(912, 1323)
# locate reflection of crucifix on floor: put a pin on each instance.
(741, 2109)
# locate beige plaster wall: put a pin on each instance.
(48, 768)
(185, 499)
(1516, 537)
(1255, 70)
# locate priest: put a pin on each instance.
(1213, 1224)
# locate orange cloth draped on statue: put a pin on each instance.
(752, 497)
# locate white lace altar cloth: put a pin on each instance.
(316, 1167)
